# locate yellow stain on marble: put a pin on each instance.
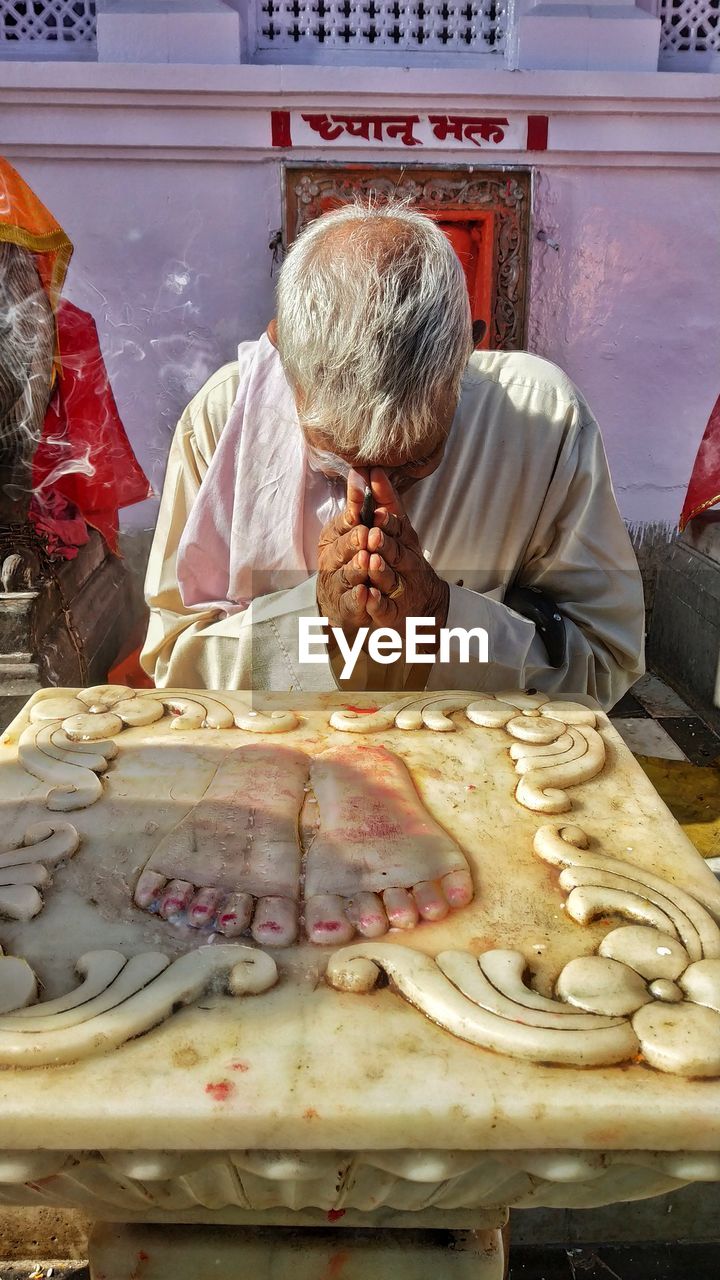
(692, 794)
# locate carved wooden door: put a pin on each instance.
(484, 213)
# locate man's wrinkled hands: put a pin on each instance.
(402, 583)
(376, 577)
(344, 565)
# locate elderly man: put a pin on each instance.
(493, 504)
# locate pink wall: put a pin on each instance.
(172, 260)
(166, 182)
(629, 305)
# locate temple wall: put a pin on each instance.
(628, 306)
(168, 184)
(172, 260)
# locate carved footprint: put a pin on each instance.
(377, 859)
(234, 860)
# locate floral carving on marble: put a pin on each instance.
(651, 993)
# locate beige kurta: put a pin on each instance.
(523, 494)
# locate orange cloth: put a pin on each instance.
(127, 671)
(25, 221)
(84, 453)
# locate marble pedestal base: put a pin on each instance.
(199, 1253)
(155, 1072)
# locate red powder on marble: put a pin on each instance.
(220, 1091)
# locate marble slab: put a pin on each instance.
(254, 1066)
(189, 1253)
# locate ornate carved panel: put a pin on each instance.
(484, 213)
(55, 22)
(690, 32)
(314, 31)
(341, 1182)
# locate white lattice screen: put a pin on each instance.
(306, 29)
(356, 30)
(47, 22)
(690, 31)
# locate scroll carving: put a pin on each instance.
(71, 768)
(454, 991)
(544, 774)
(68, 741)
(651, 992)
(117, 1000)
(432, 711)
(26, 868)
(560, 743)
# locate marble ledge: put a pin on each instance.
(585, 91)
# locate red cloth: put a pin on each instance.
(84, 454)
(704, 487)
(127, 671)
(59, 523)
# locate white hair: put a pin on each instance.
(374, 329)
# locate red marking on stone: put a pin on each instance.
(230, 915)
(335, 1214)
(360, 711)
(368, 826)
(200, 910)
(143, 1256)
(310, 1114)
(327, 926)
(537, 133)
(270, 926)
(220, 1091)
(239, 1066)
(280, 129)
(336, 1266)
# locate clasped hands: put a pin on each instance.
(376, 577)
